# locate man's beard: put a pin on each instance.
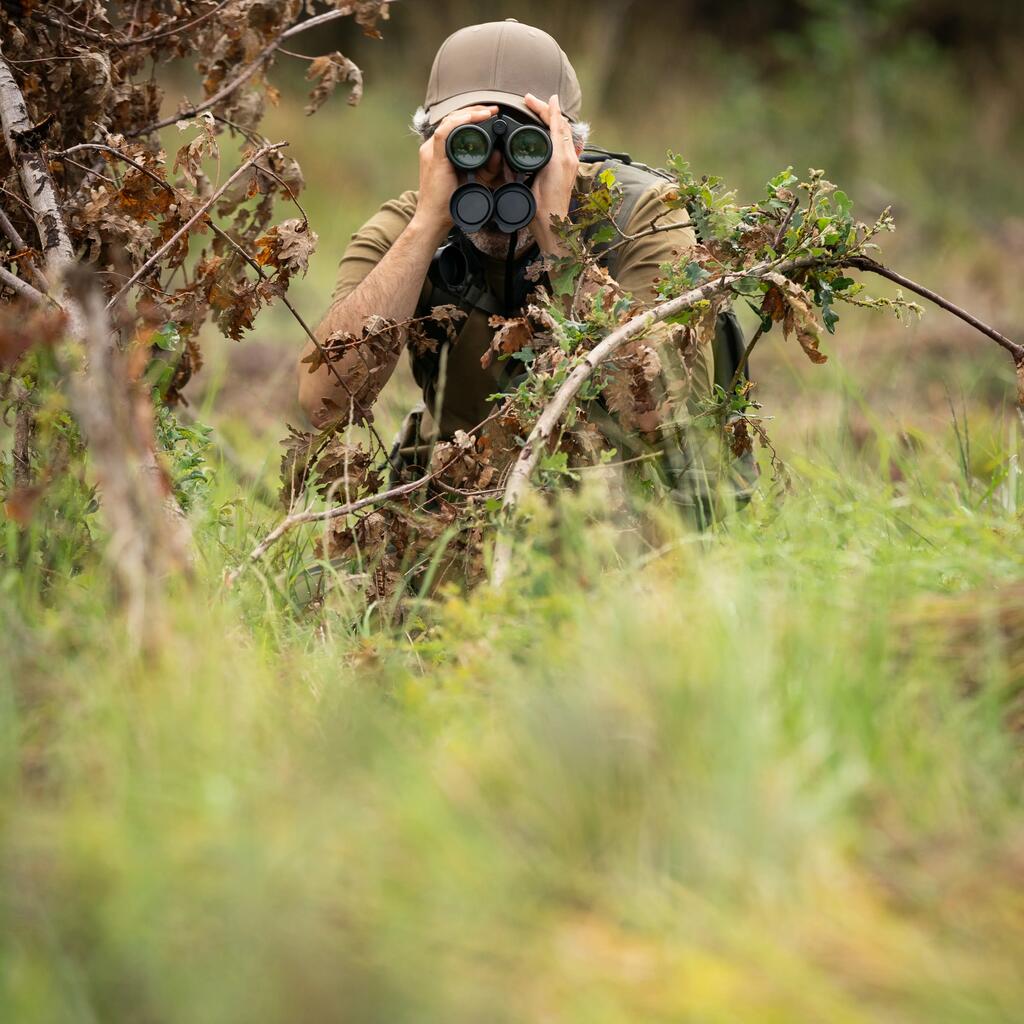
(494, 243)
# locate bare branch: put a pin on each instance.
(654, 229)
(11, 232)
(866, 263)
(98, 146)
(23, 288)
(35, 175)
(193, 220)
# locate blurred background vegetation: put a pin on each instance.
(908, 103)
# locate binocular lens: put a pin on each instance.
(472, 206)
(514, 207)
(528, 148)
(469, 147)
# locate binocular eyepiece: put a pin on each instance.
(526, 148)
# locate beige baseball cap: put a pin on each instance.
(499, 62)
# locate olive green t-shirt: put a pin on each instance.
(469, 384)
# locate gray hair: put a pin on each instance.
(422, 127)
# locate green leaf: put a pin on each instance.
(556, 462)
(693, 274)
(563, 282)
(167, 338)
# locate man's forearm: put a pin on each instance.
(392, 290)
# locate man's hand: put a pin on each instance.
(438, 178)
(553, 186)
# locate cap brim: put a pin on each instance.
(485, 98)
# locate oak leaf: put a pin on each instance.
(328, 71)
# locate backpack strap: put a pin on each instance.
(457, 259)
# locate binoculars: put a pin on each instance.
(526, 148)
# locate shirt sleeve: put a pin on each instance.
(640, 259)
(369, 244)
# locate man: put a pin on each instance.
(386, 270)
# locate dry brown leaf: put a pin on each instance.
(512, 335)
(328, 71)
(287, 246)
(799, 316)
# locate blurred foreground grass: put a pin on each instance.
(772, 774)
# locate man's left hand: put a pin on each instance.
(552, 188)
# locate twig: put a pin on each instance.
(745, 358)
(90, 170)
(124, 157)
(11, 232)
(16, 198)
(363, 412)
(460, 493)
(654, 230)
(866, 263)
(246, 73)
(284, 184)
(174, 29)
(299, 518)
(21, 287)
(193, 220)
(81, 30)
(784, 226)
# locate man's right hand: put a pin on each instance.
(438, 178)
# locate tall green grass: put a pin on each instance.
(767, 774)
